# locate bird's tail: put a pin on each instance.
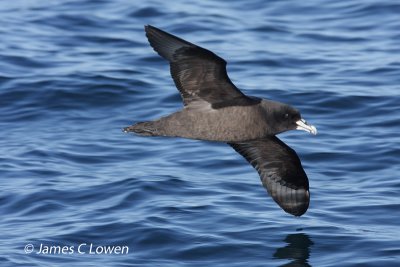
(146, 128)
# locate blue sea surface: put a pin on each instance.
(74, 73)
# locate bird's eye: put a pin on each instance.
(286, 116)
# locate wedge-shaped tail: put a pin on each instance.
(146, 128)
(216, 110)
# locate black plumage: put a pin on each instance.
(215, 109)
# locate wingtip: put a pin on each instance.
(298, 213)
(300, 208)
(152, 33)
(147, 26)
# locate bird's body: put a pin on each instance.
(226, 124)
(215, 110)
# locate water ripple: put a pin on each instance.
(73, 73)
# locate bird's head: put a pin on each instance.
(285, 118)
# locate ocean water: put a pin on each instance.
(73, 73)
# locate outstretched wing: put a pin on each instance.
(280, 171)
(198, 73)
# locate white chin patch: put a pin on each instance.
(303, 125)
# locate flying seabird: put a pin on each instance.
(216, 110)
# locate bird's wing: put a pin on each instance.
(280, 171)
(198, 73)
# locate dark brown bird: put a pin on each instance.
(216, 110)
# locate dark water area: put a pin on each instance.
(74, 73)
